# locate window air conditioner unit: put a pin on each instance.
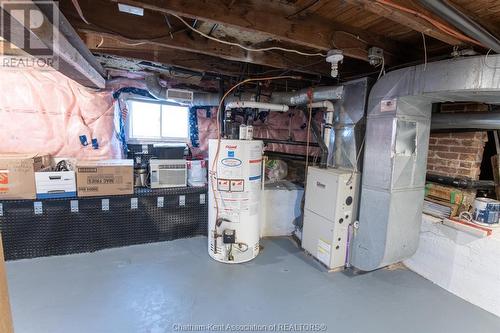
(180, 96)
(168, 173)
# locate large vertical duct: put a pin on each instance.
(349, 125)
(397, 137)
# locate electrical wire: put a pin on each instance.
(318, 54)
(486, 61)
(308, 139)
(382, 69)
(79, 11)
(359, 153)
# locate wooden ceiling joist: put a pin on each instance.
(203, 46)
(186, 60)
(315, 32)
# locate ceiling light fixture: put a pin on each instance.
(335, 57)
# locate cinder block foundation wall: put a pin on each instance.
(457, 154)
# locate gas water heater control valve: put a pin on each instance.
(229, 236)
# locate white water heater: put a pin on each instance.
(234, 192)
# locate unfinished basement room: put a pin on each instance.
(249, 166)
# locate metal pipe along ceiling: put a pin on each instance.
(299, 97)
(461, 21)
(469, 120)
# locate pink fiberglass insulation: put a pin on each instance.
(44, 112)
(282, 126)
(277, 125)
(207, 129)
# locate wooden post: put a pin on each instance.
(5, 314)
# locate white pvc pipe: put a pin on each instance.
(257, 105)
(328, 119)
(323, 104)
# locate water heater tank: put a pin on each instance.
(234, 191)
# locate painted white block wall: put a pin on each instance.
(466, 265)
(281, 207)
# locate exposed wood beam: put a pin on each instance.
(414, 22)
(71, 35)
(189, 60)
(201, 45)
(314, 32)
(170, 57)
(63, 58)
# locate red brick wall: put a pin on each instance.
(456, 154)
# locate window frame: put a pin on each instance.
(128, 123)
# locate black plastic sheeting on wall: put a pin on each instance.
(30, 231)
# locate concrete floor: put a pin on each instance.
(154, 287)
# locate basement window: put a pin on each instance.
(154, 121)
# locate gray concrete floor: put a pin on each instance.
(154, 287)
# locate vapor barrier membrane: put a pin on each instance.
(45, 112)
(56, 230)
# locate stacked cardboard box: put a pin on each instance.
(17, 175)
(111, 177)
(31, 176)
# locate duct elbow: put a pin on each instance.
(154, 87)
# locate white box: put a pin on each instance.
(331, 204)
(55, 184)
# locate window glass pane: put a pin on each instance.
(174, 121)
(145, 120)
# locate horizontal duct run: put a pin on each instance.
(299, 97)
(469, 120)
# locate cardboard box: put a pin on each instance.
(55, 184)
(100, 178)
(457, 199)
(17, 175)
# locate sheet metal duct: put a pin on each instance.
(469, 120)
(461, 21)
(288, 98)
(395, 158)
(300, 97)
(349, 125)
